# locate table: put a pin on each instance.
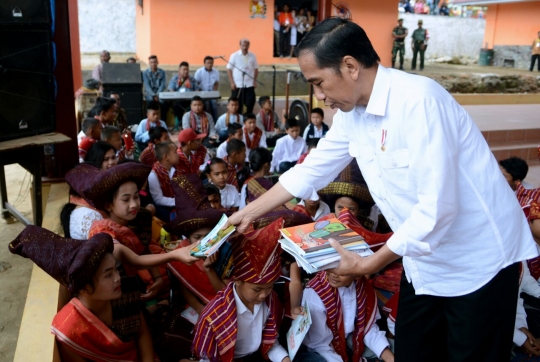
(186, 96)
(27, 152)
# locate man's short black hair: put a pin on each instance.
(319, 111)
(290, 123)
(108, 132)
(516, 167)
(88, 123)
(233, 128)
(235, 145)
(155, 133)
(208, 57)
(249, 116)
(232, 99)
(162, 149)
(131, 59)
(183, 64)
(153, 105)
(263, 100)
(196, 98)
(103, 104)
(333, 39)
(152, 57)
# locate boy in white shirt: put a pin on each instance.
(289, 148)
(233, 131)
(252, 135)
(226, 119)
(159, 180)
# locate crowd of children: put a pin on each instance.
(131, 284)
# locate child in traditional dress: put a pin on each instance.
(192, 153)
(289, 148)
(153, 119)
(218, 174)
(235, 160)
(230, 117)
(259, 162)
(234, 130)
(201, 122)
(102, 155)
(159, 181)
(214, 196)
(157, 135)
(268, 121)
(113, 136)
(92, 133)
(253, 136)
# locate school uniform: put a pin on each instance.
(312, 132)
(286, 153)
(253, 140)
(230, 197)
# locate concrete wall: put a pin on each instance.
(448, 36)
(107, 24)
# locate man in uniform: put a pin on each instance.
(419, 44)
(399, 33)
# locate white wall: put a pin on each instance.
(452, 36)
(107, 24)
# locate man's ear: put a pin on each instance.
(351, 67)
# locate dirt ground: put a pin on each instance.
(13, 281)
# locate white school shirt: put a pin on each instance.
(455, 219)
(206, 78)
(222, 150)
(287, 150)
(323, 209)
(230, 197)
(239, 62)
(262, 142)
(142, 134)
(319, 337)
(221, 123)
(156, 192)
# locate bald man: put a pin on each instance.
(243, 71)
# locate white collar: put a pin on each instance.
(241, 307)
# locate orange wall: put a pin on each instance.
(512, 24)
(215, 28)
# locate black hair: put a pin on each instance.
(212, 189)
(183, 64)
(249, 116)
(97, 152)
(163, 148)
(213, 161)
(232, 99)
(208, 57)
(65, 218)
(152, 57)
(131, 59)
(319, 111)
(313, 142)
(196, 98)
(155, 133)
(106, 52)
(233, 128)
(92, 83)
(290, 123)
(258, 157)
(103, 104)
(88, 123)
(112, 93)
(333, 39)
(153, 105)
(108, 132)
(235, 145)
(263, 100)
(516, 167)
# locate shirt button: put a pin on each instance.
(394, 163)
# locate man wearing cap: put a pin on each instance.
(419, 44)
(399, 33)
(193, 155)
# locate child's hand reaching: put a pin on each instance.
(208, 262)
(183, 255)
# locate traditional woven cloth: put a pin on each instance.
(529, 201)
(193, 163)
(232, 180)
(267, 120)
(164, 180)
(193, 122)
(148, 156)
(253, 143)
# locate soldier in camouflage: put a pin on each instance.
(399, 33)
(419, 44)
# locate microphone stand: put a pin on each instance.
(241, 93)
(274, 89)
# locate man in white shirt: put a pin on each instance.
(243, 71)
(208, 79)
(456, 222)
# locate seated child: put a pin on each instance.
(159, 180)
(232, 116)
(341, 306)
(243, 320)
(235, 159)
(200, 121)
(113, 136)
(104, 111)
(317, 128)
(514, 170)
(234, 130)
(311, 144)
(268, 121)
(259, 162)
(92, 133)
(101, 155)
(313, 209)
(192, 154)
(157, 135)
(289, 148)
(253, 137)
(217, 173)
(214, 196)
(153, 114)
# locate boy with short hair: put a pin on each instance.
(192, 154)
(268, 121)
(159, 180)
(232, 116)
(104, 111)
(113, 136)
(317, 128)
(157, 135)
(253, 136)
(289, 148)
(311, 144)
(153, 115)
(92, 133)
(200, 121)
(235, 159)
(234, 130)
(514, 170)
(214, 196)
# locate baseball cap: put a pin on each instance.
(189, 134)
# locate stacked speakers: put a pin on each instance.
(27, 61)
(125, 79)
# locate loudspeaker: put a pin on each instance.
(26, 12)
(27, 85)
(126, 80)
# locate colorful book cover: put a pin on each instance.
(310, 237)
(297, 332)
(211, 242)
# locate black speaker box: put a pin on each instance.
(126, 80)
(27, 85)
(25, 12)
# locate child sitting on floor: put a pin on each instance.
(153, 115)
(253, 137)
(317, 128)
(217, 173)
(112, 135)
(234, 131)
(235, 159)
(159, 180)
(214, 196)
(289, 148)
(92, 133)
(201, 122)
(104, 111)
(268, 121)
(157, 135)
(311, 144)
(259, 162)
(231, 117)
(192, 153)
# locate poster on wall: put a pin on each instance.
(257, 8)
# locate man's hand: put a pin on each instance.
(349, 263)
(255, 83)
(183, 255)
(530, 346)
(153, 290)
(233, 86)
(242, 220)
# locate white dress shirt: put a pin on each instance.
(455, 219)
(206, 78)
(247, 63)
(319, 337)
(230, 197)
(250, 327)
(262, 142)
(142, 134)
(323, 209)
(221, 123)
(287, 149)
(156, 192)
(222, 150)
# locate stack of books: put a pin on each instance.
(309, 244)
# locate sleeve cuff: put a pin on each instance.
(401, 244)
(277, 353)
(293, 184)
(519, 337)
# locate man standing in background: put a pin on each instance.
(243, 71)
(535, 53)
(155, 81)
(419, 44)
(399, 33)
(208, 79)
